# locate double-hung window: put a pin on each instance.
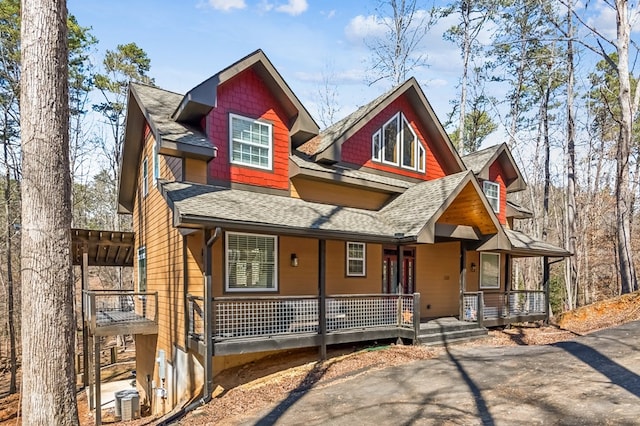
(250, 142)
(492, 191)
(489, 270)
(396, 143)
(356, 263)
(145, 177)
(156, 164)
(251, 262)
(142, 269)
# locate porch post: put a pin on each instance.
(463, 277)
(400, 267)
(85, 338)
(98, 416)
(508, 281)
(545, 283)
(208, 314)
(322, 293)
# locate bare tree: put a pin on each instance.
(396, 53)
(328, 106)
(48, 385)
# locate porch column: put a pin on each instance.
(400, 268)
(463, 276)
(208, 314)
(98, 416)
(545, 283)
(322, 293)
(508, 281)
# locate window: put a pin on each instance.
(145, 178)
(142, 269)
(251, 262)
(250, 142)
(397, 144)
(356, 259)
(489, 270)
(492, 191)
(156, 165)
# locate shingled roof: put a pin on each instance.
(480, 162)
(524, 245)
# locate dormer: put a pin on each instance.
(499, 175)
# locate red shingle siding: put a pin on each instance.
(496, 174)
(248, 96)
(357, 149)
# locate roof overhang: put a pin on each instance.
(518, 212)
(450, 160)
(526, 246)
(199, 101)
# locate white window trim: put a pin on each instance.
(364, 259)
(400, 119)
(270, 147)
(155, 165)
(481, 263)
(145, 177)
(227, 288)
(142, 254)
(487, 183)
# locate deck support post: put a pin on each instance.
(96, 343)
(322, 293)
(545, 283)
(416, 317)
(208, 310)
(84, 269)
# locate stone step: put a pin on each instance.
(436, 327)
(452, 336)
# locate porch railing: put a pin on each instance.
(480, 306)
(245, 317)
(119, 308)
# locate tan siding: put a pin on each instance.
(303, 279)
(473, 278)
(341, 195)
(437, 279)
(337, 280)
(195, 171)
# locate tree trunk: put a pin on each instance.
(623, 213)
(13, 362)
(48, 325)
(571, 271)
(466, 54)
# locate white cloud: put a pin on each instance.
(293, 7)
(363, 27)
(265, 6)
(227, 5)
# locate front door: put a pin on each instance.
(391, 282)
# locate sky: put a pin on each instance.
(306, 40)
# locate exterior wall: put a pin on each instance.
(340, 195)
(358, 149)
(248, 96)
(337, 280)
(473, 278)
(496, 174)
(195, 170)
(153, 227)
(438, 279)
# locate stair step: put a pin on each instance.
(436, 328)
(452, 336)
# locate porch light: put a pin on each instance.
(294, 260)
(473, 267)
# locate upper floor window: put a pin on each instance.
(397, 144)
(250, 143)
(156, 164)
(492, 191)
(251, 262)
(142, 269)
(145, 177)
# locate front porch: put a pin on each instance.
(255, 324)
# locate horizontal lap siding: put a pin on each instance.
(153, 226)
(473, 278)
(340, 195)
(438, 278)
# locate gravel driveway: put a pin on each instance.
(591, 380)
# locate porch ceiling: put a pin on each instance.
(468, 208)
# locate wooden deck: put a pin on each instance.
(110, 313)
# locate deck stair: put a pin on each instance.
(449, 330)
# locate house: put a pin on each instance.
(255, 231)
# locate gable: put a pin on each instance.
(357, 149)
(246, 96)
(469, 209)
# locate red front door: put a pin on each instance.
(391, 282)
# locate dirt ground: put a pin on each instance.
(262, 383)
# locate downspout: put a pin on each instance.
(208, 330)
